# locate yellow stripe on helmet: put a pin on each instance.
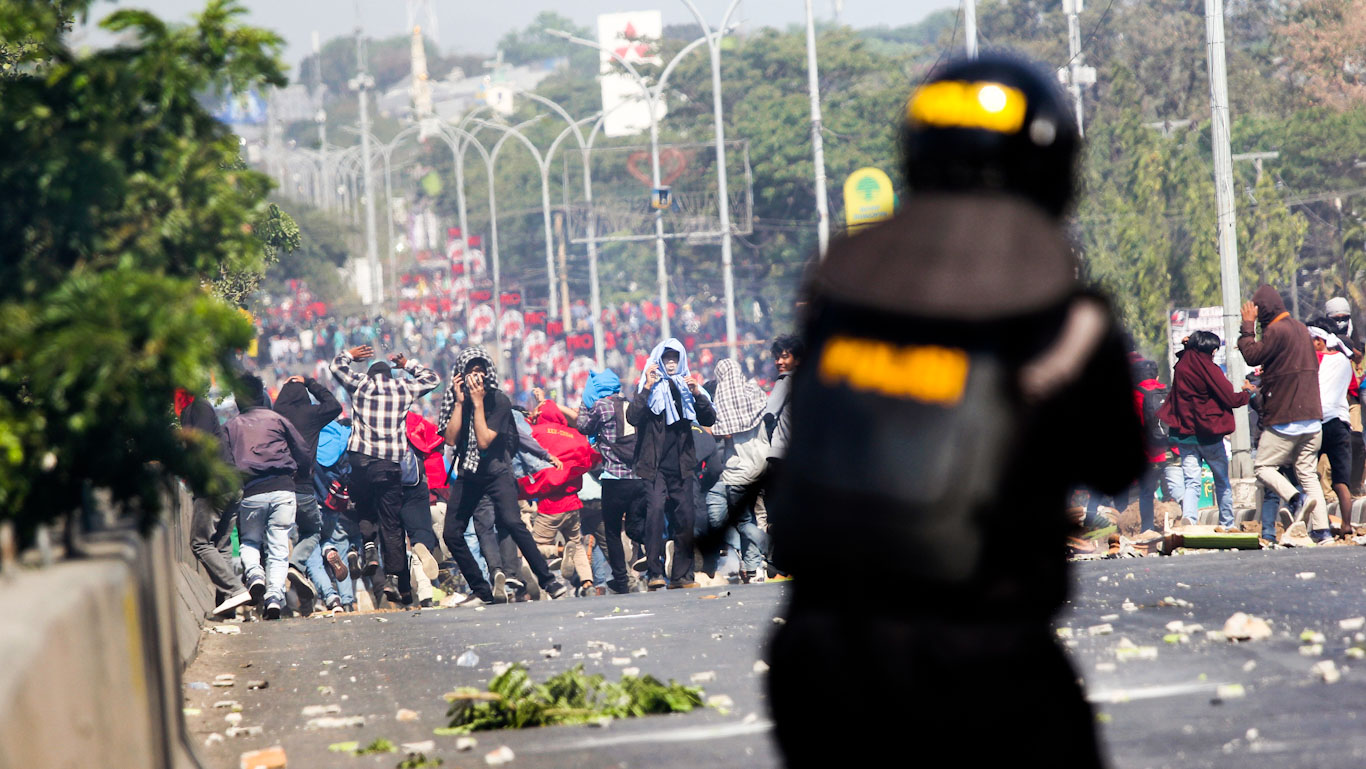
(957, 104)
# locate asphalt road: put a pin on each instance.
(1162, 711)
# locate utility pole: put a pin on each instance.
(970, 27)
(362, 83)
(1074, 75)
(564, 272)
(1227, 225)
(320, 117)
(817, 143)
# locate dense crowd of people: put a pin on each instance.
(362, 486)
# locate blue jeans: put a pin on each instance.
(745, 537)
(1213, 455)
(267, 517)
(472, 541)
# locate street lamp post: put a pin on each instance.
(817, 141)
(386, 152)
(652, 97)
(723, 192)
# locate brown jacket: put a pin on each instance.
(1290, 369)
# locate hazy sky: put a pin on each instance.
(474, 26)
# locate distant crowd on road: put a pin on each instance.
(1306, 400)
(354, 496)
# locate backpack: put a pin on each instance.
(1154, 429)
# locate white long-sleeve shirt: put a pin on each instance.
(1335, 376)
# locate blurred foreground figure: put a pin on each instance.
(958, 383)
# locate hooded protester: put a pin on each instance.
(295, 403)
(556, 490)
(668, 400)
(952, 357)
(740, 410)
(377, 446)
(1339, 312)
(1292, 430)
(476, 421)
(268, 450)
(1198, 413)
(213, 519)
(602, 417)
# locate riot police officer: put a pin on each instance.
(959, 381)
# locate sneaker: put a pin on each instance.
(272, 609)
(429, 565)
(230, 604)
(335, 564)
(303, 586)
(555, 563)
(585, 589)
(656, 584)
(334, 604)
(473, 601)
(425, 603)
(683, 585)
(371, 559)
(353, 561)
(619, 588)
(1321, 535)
(256, 587)
(349, 608)
(390, 590)
(555, 589)
(500, 589)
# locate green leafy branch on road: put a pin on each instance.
(514, 701)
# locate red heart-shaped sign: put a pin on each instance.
(672, 163)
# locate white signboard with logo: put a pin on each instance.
(634, 37)
(1184, 322)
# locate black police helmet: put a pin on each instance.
(995, 123)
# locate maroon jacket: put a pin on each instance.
(1201, 400)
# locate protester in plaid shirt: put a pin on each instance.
(602, 417)
(379, 442)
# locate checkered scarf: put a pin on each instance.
(739, 401)
(469, 459)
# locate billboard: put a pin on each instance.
(634, 37)
(1185, 321)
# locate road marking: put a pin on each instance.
(686, 734)
(624, 616)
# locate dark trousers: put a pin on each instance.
(211, 542)
(621, 500)
(378, 494)
(669, 498)
(416, 514)
(501, 491)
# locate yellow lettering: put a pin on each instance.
(925, 373)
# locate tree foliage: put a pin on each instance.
(124, 199)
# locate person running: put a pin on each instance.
(378, 443)
(476, 420)
(212, 521)
(602, 417)
(556, 490)
(1292, 427)
(268, 451)
(668, 401)
(740, 408)
(1335, 379)
(295, 402)
(1199, 413)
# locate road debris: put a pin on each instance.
(1177, 602)
(467, 660)
(1306, 575)
(465, 744)
(405, 715)
(227, 629)
(638, 653)
(244, 731)
(233, 718)
(425, 746)
(503, 755)
(213, 739)
(1102, 629)
(760, 667)
(705, 677)
(632, 672)
(550, 654)
(721, 702)
(621, 661)
(258, 684)
(198, 685)
(313, 711)
(1311, 650)
(1355, 623)
(1246, 627)
(1312, 637)
(268, 758)
(332, 722)
(1228, 692)
(350, 746)
(1326, 671)
(380, 745)
(234, 704)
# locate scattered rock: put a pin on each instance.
(234, 704)
(405, 715)
(213, 739)
(467, 660)
(1246, 627)
(1355, 623)
(550, 654)
(1312, 637)
(1064, 632)
(463, 744)
(632, 672)
(227, 629)
(503, 755)
(500, 668)
(197, 685)
(721, 702)
(1249, 666)
(779, 621)
(1306, 575)
(313, 711)
(244, 731)
(258, 684)
(1177, 602)
(1109, 617)
(704, 677)
(269, 758)
(1326, 671)
(1105, 667)
(1102, 629)
(638, 653)
(190, 711)
(1311, 650)
(602, 646)
(332, 722)
(1229, 692)
(426, 746)
(233, 719)
(621, 660)
(1356, 653)
(760, 667)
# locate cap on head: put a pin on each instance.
(996, 123)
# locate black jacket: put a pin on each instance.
(652, 432)
(308, 418)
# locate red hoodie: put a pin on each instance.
(557, 488)
(427, 440)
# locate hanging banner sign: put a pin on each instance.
(868, 198)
